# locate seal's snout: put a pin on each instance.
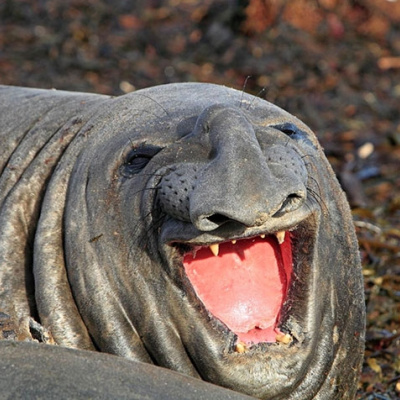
(242, 181)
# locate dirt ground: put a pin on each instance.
(333, 63)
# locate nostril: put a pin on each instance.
(218, 219)
(292, 202)
(211, 222)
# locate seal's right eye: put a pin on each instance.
(137, 159)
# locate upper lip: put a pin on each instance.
(175, 231)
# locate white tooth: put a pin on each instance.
(262, 236)
(233, 241)
(280, 236)
(214, 248)
(284, 338)
(240, 347)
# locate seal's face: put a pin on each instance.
(236, 257)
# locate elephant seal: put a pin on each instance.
(190, 226)
(33, 371)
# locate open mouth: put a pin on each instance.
(244, 283)
(252, 282)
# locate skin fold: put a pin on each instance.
(101, 198)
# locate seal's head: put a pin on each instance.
(206, 232)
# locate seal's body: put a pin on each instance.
(189, 225)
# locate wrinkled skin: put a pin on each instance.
(102, 197)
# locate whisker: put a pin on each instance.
(154, 101)
(264, 89)
(309, 155)
(151, 229)
(317, 197)
(243, 90)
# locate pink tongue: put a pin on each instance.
(245, 285)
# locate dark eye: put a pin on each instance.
(294, 133)
(137, 159)
(288, 128)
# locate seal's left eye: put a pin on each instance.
(295, 133)
(288, 128)
(137, 159)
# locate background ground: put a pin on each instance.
(333, 63)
